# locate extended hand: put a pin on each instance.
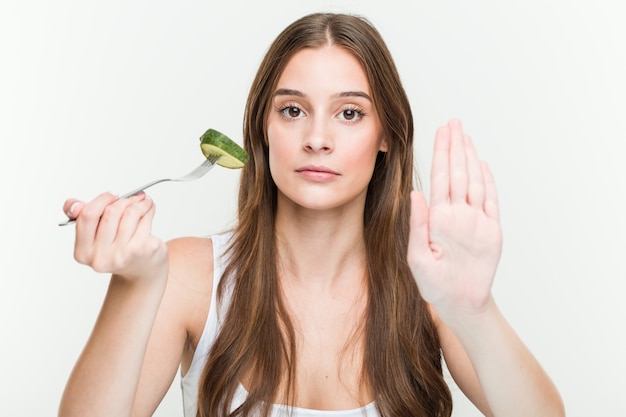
(455, 245)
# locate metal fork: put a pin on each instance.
(200, 170)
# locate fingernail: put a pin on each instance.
(70, 211)
(139, 195)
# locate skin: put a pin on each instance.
(323, 144)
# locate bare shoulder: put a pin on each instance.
(191, 262)
(190, 282)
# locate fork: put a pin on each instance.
(200, 170)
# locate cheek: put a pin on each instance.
(279, 150)
(363, 153)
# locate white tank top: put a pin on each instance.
(191, 380)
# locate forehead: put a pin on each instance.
(327, 68)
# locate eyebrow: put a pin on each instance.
(297, 93)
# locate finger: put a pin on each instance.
(109, 226)
(143, 233)
(419, 234)
(72, 208)
(130, 223)
(491, 205)
(145, 225)
(88, 221)
(475, 182)
(458, 163)
(440, 171)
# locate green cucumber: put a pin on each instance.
(231, 154)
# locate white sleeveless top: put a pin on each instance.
(191, 380)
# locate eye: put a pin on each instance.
(291, 112)
(351, 114)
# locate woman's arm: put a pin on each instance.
(136, 344)
(105, 378)
(498, 355)
(454, 249)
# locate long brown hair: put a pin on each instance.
(402, 359)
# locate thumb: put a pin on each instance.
(419, 236)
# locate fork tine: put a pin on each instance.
(208, 163)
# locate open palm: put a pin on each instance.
(455, 244)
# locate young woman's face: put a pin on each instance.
(323, 131)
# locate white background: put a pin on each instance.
(107, 95)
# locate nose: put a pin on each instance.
(318, 137)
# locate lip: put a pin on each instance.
(317, 173)
(317, 168)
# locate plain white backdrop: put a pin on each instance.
(98, 96)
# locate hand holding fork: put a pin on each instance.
(114, 234)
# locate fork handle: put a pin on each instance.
(143, 187)
(128, 194)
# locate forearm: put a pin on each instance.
(105, 378)
(511, 379)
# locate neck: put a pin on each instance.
(320, 248)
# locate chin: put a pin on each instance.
(324, 201)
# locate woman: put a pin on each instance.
(338, 289)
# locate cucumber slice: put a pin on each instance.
(216, 143)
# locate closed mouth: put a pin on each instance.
(316, 168)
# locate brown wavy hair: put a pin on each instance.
(402, 353)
